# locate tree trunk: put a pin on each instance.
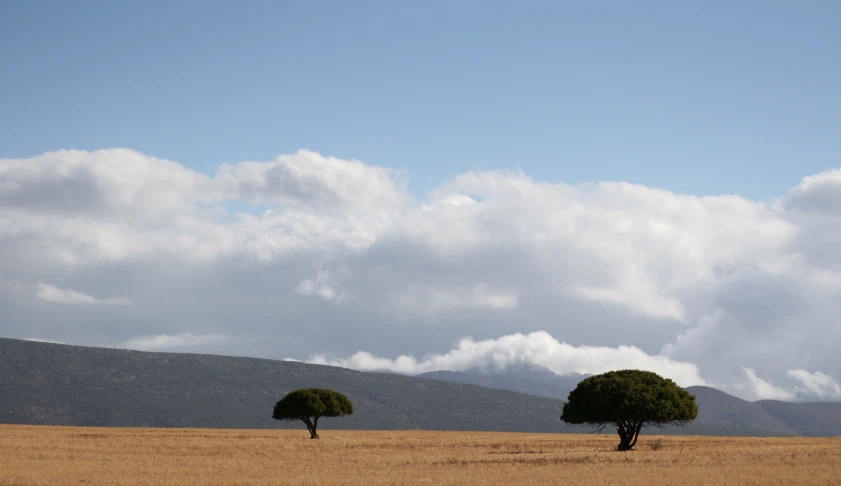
(628, 434)
(623, 437)
(311, 427)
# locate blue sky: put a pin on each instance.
(697, 97)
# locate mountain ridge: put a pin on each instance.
(537, 381)
(58, 384)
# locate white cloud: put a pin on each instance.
(764, 390)
(816, 384)
(714, 282)
(817, 192)
(311, 179)
(165, 341)
(51, 293)
(538, 348)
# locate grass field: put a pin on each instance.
(80, 455)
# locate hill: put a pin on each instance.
(718, 413)
(716, 408)
(533, 380)
(58, 384)
(809, 419)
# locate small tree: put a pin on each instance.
(310, 404)
(630, 400)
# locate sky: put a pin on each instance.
(377, 185)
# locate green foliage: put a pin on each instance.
(310, 404)
(629, 395)
(629, 399)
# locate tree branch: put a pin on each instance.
(636, 434)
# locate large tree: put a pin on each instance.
(310, 404)
(630, 400)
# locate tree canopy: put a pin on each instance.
(310, 404)
(630, 400)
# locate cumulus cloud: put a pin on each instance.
(764, 390)
(51, 293)
(182, 340)
(816, 384)
(336, 256)
(310, 179)
(538, 348)
(816, 193)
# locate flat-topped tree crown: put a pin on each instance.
(631, 400)
(310, 404)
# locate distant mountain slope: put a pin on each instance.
(720, 409)
(540, 382)
(718, 412)
(812, 419)
(44, 383)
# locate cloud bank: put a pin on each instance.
(537, 348)
(307, 255)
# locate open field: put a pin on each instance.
(81, 455)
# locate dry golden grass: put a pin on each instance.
(77, 455)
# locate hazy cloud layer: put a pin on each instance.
(51, 293)
(165, 342)
(313, 257)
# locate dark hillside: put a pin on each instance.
(717, 408)
(810, 419)
(58, 384)
(542, 383)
